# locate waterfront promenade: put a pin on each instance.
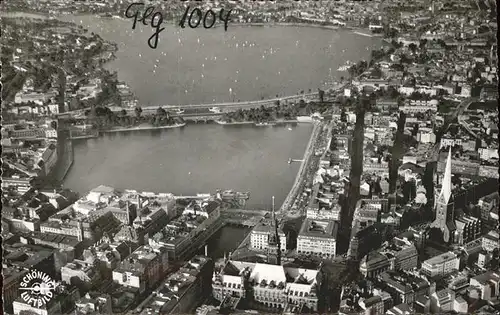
(292, 195)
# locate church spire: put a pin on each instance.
(274, 218)
(446, 188)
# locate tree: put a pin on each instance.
(321, 94)
(377, 72)
(343, 115)
(138, 111)
(161, 112)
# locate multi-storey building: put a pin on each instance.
(86, 272)
(486, 205)
(404, 287)
(374, 264)
(12, 277)
(317, 237)
(468, 229)
(490, 241)
(186, 233)
(488, 285)
(367, 213)
(373, 305)
(143, 268)
(20, 307)
(271, 286)
(183, 290)
(442, 301)
(441, 265)
(260, 236)
(450, 142)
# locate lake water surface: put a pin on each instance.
(193, 66)
(197, 66)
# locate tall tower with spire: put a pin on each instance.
(445, 211)
(273, 247)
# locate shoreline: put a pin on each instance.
(142, 128)
(83, 137)
(300, 174)
(280, 122)
(354, 29)
(256, 24)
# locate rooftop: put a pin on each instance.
(439, 259)
(176, 285)
(319, 228)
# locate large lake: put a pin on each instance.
(195, 66)
(198, 158)
(202, 66)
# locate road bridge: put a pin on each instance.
(245, 211)
(242, 104)
(227, 106)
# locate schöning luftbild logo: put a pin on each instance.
(37, 288)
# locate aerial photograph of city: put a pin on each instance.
(250, 157)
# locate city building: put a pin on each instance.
(271, 286)
(488, 285)
(183, 290)
(185, 234)
(12, 277)
(404, 287)
(269, 236)
(82, 274)
(487, 204)
(318, 237)
(468, 229)
(373, 305)
(94, 303)
(143, 268)
(21, 307)
(367, 213)
(442, 301)
(441, 265)
(374, 264)
(259, 237)
(491, 241)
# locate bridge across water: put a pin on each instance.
(266, 102)
(222, 106)
(207, 115)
